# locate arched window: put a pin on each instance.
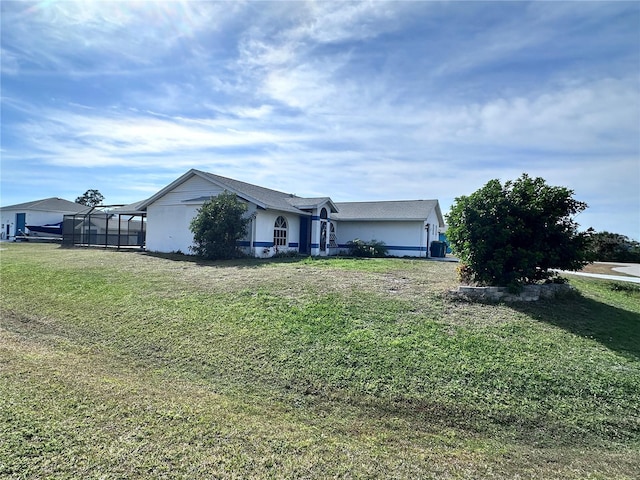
(280, 232)
(323, 214)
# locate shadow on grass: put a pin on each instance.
(616, 328)
(253, 262)
(242, 262)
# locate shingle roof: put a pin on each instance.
(261, 196)
(265, 197)
(310, 203)
(387, 210)
(53, 204)
(130, 209)
(274, 199)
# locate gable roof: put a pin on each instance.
(52, 204)
(263, 197)
(310, 203)
(395, 210)
(266, 198)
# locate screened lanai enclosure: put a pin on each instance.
(120, 226)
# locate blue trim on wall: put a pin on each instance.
(315, 245)
(245, 243)
(394, 247)
(263, 244)
(410, 249)
(315, 217)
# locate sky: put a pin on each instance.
(358, 101)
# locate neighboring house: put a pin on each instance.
(15, 218)
(282, 222)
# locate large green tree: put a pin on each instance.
(218, 226)
(613, 247)
(90, 198)
(514, 234)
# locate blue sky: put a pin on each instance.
(357, 101)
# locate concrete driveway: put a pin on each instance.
(629, 269)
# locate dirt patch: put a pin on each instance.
(605, 269)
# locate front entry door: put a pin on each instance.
(324, 216)
(323, 237)
(304, 245)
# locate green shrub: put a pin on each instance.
(218, 226)
(373, 248)
(516, 234)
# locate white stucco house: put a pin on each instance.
(15, 219)
(283, 222)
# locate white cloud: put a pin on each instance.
(596, 116)
(110, 36)
(357, 100)
(126, 138)
(332, 22)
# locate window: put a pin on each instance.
(280, 232)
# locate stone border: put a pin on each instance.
(529, 293)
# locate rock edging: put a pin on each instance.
(529, 293)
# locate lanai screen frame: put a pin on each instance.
(88, 238)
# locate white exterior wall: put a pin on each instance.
(406, 237)
(263, 240)
(32, 217)
(402, 238)
(168, 218)
(168, 228)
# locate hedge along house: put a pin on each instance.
(282, 222)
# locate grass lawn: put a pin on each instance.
(130, 365)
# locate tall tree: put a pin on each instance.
(514, 234)
(218, 226)
(613, 247)
(90, 198)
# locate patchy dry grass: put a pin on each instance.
(122, 364)
(605, 269)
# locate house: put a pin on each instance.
(282, 222)
(14, 219)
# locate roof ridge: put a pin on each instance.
(36, 203)
(234, 180)
(394, 201)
